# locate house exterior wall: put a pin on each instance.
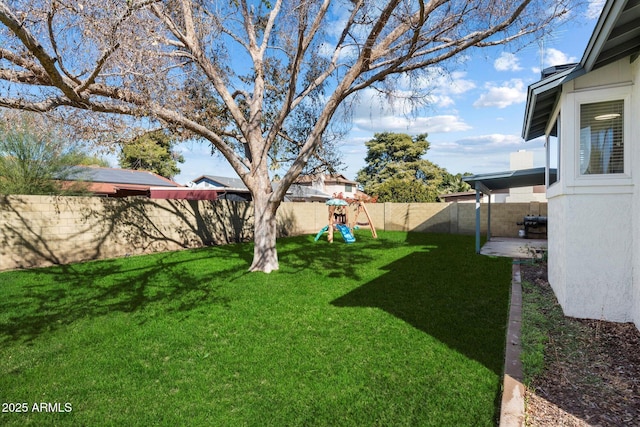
(592, 243)
(590, 271)
(340, 188)
(557, 249)
(207, 183)
(635, 292)
(331, 187)
(523, 160)
(635, 210)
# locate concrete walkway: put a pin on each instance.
(512, 410)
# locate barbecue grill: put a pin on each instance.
(536, 222)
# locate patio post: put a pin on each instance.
(477, 217)
(481, 188)
(489, 219)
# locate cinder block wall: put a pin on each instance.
(502, 218)
(45, 230)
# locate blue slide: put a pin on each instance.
(325, 228)
(346, 233)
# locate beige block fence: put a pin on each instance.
(46, 230)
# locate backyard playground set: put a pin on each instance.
(339, 220)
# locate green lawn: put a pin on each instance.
(405, 330)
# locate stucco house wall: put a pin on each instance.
(635, 208)
(635, 308)
(592, 246)
(333, 184)
(592, 280)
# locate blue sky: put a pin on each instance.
(474, 119)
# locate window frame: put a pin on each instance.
(604, 130)
(556, 153)
(595, 96)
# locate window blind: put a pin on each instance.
(602, 137)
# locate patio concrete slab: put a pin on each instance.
(512, 247)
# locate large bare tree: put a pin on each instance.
(240, 73)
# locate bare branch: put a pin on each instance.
(31, 43)
(247, 76)
(54, 44)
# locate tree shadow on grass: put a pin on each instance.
(50, 298)
(459, 298)
(334, 260)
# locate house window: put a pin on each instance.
(602, 138)
(348, 188)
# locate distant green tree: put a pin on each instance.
(153, 152)
(83, 159)
(396, 171)
(455, 184)
(405, 191)
(35, 159)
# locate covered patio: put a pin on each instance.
(512, 247)
(491, 182)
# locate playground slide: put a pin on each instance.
(325, 228)
(346, 233)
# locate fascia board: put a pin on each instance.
(610, 13)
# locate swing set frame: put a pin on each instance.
(335, 214)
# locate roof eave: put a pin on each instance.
(551, 84)
(610, 14)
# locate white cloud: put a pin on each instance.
(399, 112)
(489, 143)
(445, 124)
(433, 90)
(511, 92)
(443, 89)
(371, 104)
(456, 85)
(482, 154)
(594, 9)
(434, 124)
(556, 57)
(438, 81)
(507, 62)
(442, 101)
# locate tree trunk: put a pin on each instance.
(265, 255)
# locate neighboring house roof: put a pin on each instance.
(298, 192)
(616, 35)
(119, 182)
(295, 192)
(228, 188)
(221, 181)
(121, 176)
(460, 196)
